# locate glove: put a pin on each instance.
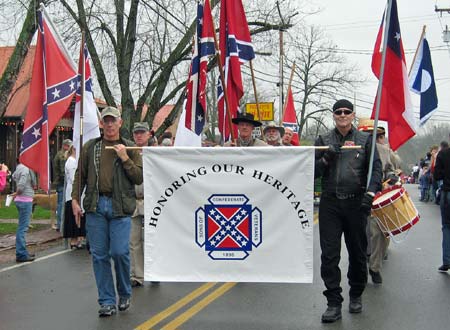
(366, 203)
(330, 154)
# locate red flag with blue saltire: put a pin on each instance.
(91, 128)
(196, 89)
(53, 84)
(395, 106)
(235, 49)
(290, 118)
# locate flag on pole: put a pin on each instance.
(235, 48)
(421, 81)
(290, 118)
(184, 137)
(395, 106)
(196, 89)
(53, 85)
(91, 129)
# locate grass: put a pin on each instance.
(10, 228)
(11, 212)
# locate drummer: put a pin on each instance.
(378, 242)
(344, 206)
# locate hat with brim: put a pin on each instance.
(141, 127)
(246, 118)
(67, 142)
(110, 111)
(367, 125)
(272, 124)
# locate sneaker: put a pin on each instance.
(332, 314)
(124, 303)
(107, 310)
(444, 268)
(376, 277)
(135, 283)
(355, 305)
(26, 259)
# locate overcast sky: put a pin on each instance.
(353, 26)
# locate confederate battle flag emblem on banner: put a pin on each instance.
(228, 227)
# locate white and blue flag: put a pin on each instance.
(421, 81)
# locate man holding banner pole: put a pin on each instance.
(246, 123)
(109, 172)
(344, 206)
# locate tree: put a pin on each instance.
(151, 43)
(320, 76)
(9, 77)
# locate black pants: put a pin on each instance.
(337, 216)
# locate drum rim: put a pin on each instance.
(405, 227)
(397, 195)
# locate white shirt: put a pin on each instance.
(69, 170)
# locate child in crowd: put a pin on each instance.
(425, 182)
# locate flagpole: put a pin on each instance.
(417, 49)
(379, 91)
(222, 79)
(82, 90)
(287, 94)
(256, 96)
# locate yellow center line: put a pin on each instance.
(175, 307)
(199, 306)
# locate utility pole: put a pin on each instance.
(281, 85)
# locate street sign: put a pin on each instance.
(265, 109)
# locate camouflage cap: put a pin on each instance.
(110, 111)
(67, 142)
(141, 126)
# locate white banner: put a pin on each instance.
(229, 214)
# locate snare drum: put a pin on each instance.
(394, 211)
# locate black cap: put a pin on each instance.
(343, 104)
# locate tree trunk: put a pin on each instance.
(17, 58)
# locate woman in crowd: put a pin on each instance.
(70, 228)
(23, 198)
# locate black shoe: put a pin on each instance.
(135, 283)
(332, 314)
(124, 303)
(444, 268)
(376, 277)
(27, 259)
(107, 310)
(355, 305)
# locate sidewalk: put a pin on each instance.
(33, 238)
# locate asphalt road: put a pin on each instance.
(58, 292)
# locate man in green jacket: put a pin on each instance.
(107, 172)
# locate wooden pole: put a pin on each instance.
(417, 49)
(82, 92)
(307, 147)
(287, 94)
(222, 79)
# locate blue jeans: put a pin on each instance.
(445, 216)
(109, 238)
(60, 205)
(25, 209)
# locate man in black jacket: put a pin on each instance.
(344, 206)
(442, 172)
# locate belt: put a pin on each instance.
(105, 194)
(341, 195)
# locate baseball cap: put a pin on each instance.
(141, 126)
(110, 111)
(67, 142)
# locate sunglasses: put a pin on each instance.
(340, 112)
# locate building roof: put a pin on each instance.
(18, 99)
